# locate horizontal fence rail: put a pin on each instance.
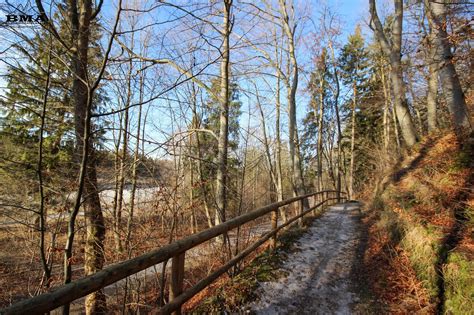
(176, 251)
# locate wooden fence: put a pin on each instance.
(176, 251)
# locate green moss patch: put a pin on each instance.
(459, 284)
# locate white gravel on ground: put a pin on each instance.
(318, 277)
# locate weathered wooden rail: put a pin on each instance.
(176, 251)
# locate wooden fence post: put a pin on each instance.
(315, 202)
(274, 227)
(177, 278)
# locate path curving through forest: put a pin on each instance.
(319, 276)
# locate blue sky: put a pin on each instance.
(350, 12)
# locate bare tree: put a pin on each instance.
(391, 46)
(81, 14)
(222, 173)
(289, 28)
(443, 59)
(432, 80)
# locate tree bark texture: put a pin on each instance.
(221, 178)
(80, 17)
(443, 59)
(432, 98)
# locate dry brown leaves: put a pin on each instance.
(392, 278)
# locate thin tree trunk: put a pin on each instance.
(415, 106)
(265, 141)
(136, 160)
(298, 184)
(202, 183)
(387, 99)
(432, 97)
(123, 162)
(241, 192)
(278, 150)
(278, 74)
(432, 93)
(117, 173)
(221, 177)
(121, 182)
(192, 222)
(329, 157)
(395, 119)
(386, 125)
(353, 122)
(39, 171)
(320, 133)
(191, 183)
(338, 121)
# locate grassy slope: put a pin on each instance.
(420, 248)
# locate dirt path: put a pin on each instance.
(319, 274)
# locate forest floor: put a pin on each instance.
(321, 275)
(420, 220)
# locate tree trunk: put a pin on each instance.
(42, 213)
(392, 49)
(353, 122)
(400, 104)
(395, 120)
(221, 178)
(123, 162)
(338, 121)
(432, 92)
(415, 106)
(117, 164)
(443, 58)
(94, 247)
(193, 226)
(320, 134)
(203, 188)
(268, 156)
(432, 98)
(121, 182)
(298, 184)
(136, 160)
(80, 18)
(279, 174)
(386, 123)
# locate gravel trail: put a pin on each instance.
(319, 278)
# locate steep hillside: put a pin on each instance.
(420, 220)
